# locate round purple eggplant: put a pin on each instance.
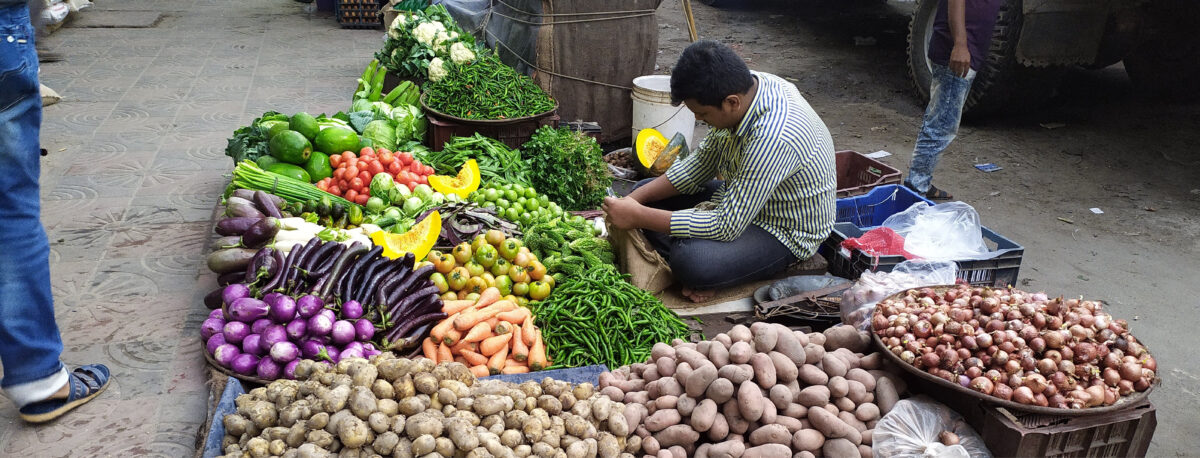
(225, 353)
(343, 332)
(215, 341)
(283, 310)
(235, 331)
(218, 313)
(309, 305)
(268, 369)
(252, 344)
(211, 327)
(320, 325)
(312, 349)
(289, 371)
(234, 292)
(364, 329)
(284, 352)
(260, 325)
(297, 329)
(352, 310)
(248, 309)
(272, 335)
(350, 353)
(334, 354)
(245, 364)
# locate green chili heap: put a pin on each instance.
(487, 90)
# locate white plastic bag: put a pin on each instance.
(858, 302)
(912, 429)
(948, 231)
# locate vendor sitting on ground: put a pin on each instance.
(776, 203)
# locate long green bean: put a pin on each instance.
(487, 89)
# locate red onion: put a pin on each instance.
(1097, 395)
(982, 385)
(964, 380)
(1028, 363)
(969, 343)
(953, 328)
(1124, 387)
(1017, 379)
(1023, 395)
(963, 354)
(1037, 344)
(931, 341)
(993, 375)
(1053, 322)
(908, 356)
(922, 329)
(1035, 382)
(1066, 366)
(949, 358)
(989, 305)
(1000, 359)
(1087, 320)
(1028, 332)
(1008, 346)
(930, 360)
(1111, 376)
(1050, 390)
(1053, 355)
(1054, 339)
(1085, 352)
(1054, 306)
(1012, 366)
(1141, 384)
(1078, 332)
(984, 340)
(1112, 359)
(1039, 320)
(1149, 362)
(1058, 401)
(1067, 353)
(1130, 371)
(1110, 396)
(1002, 391)
(973, 372)
(1040, 400)
(1045, 365)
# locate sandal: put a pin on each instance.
(932, 194)
(86, 382)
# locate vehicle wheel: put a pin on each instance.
(1167, 64)
(1004, 84)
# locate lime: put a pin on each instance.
(291, 147)
(290, 171)
(318, 166)
(491, 195)
(532, 205)
(305, 124)
(503, 203)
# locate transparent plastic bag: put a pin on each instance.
(800, 284)
(912, 428)
(946, 231)
(858, 302)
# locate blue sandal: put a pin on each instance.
(86, 382)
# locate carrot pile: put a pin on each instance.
(490, 335)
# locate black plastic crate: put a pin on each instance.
(999, 271)
(358, 14)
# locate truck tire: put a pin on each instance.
(1167, 64)
(1004, 85)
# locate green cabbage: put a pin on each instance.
(410, 123)
(361, 105)
(381, 134)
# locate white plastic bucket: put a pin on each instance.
(652, 109)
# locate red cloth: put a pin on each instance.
(880, 241)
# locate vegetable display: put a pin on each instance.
(598, 317)
(426, 44)
(247, 175)
(517, 203)
(354, 174)
(490, 334)
(486, 89)
(464, 222)
(1017, 346)
(398, 407)
(758, 391)
(495, 159)
(491, 260)
(568, 167)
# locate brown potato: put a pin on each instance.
(785, 370)
(736, 373)
(849, 419)
(885, 395)
(718, 355)
(781, 396)
(740, 352)
(769, 451)
(812, 375)
(813, 396)
(740, 333)
(857, 392)
(685, 405)
(866, 412)
(871, 361)
(662, 419)
(795, 410)
(813, 353)
(861, 376)
(703, 416)
(840, 448)
(720, 390)
(764, 370)
(718, 430)
(770, 434)
(699, 380)
(838, 387)
(750, 401)
(807, 440)
(833, 366)
(844, 404)
(790, 423)
(674, 435)
(763, 336)
(832, 426)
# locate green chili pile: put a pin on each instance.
(496, 160)
(487, 89)
(600, 318)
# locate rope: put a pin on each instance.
(577, 21)
(560, 75)
(502, 2)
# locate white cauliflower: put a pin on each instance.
(437, 69)
(439, 42)
(399, 21)
(425, 33)
(461, 54)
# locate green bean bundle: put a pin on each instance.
(487, 89)
(601, 318)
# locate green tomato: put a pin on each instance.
(509, 248)
(439, 281)
(532, 205)
(525, 217)
(504, 284)
(476, 269)
(519, 189)
(424, 192)
(501, 267)
(539, 290)
(521, 200)
(503, 203)
(512, 214)
(412, 205)
(487, 255)
(531, 193)
(520, 289)
(491, 195)
(511, 194)
(545, 201)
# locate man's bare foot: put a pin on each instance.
(698, 296)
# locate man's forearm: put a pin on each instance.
(658, 189)
(655, 219)
(956, 11)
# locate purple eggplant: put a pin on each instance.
(309, 305)
(273, 334)
(320, 325)
(230, 260)
(213, 342)
(212, 300)
(217, 314)
(355, 352)
(343, 332)
(283, 310)
(248, 309)
(364, 329)
(234, 292)
(312, 349)
(235, 332)
(260, 233)
(260, 325)
(225, 353)
(284, 352)
(236, 225)
(268, 369)
(329, 313)
(289, 371)
(237, 206)
(356, 345)
(352, 310)
(333, 354)
(252, 344)
(244, 364)
(271, 297)
(211, 327)
(297, 329)
(266, 204)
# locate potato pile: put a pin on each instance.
(756, 392)
(390, 406)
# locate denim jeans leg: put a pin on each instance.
(708, 264)
(947, 94)
(662, 242)
(29, 340)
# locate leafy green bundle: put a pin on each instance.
(568, 167)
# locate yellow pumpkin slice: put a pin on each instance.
(462, 185)
(418, 240)
(650, 143)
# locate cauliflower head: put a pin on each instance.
(461, 54)
(437, 69)
(427, 32)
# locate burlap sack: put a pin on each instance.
(636, 257)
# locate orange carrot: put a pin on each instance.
(488, 297)
(452, 336)
(493, 345)
(502, 327)
(429, 348)
(473, 358)
(529, 331)
(480, 371)
(514, 370)
(460, 359)
(457, 348)
(512, 362)
(515, 316)
(443, 354)
(520, 351)
(537, 353)
(492, 322)
(496, 362)
(439, 331)
(478, 333)
(469, 318)
(452, 307)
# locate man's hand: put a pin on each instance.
(960, 60)
(622, 212)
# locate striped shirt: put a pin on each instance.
(779, 172)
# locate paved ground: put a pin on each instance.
(135, 168)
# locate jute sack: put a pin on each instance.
(635, 256)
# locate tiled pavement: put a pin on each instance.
(135, 168)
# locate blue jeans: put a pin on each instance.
(29, 341)
(709, 264)
(947, 94)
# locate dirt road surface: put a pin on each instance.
(1136, 160)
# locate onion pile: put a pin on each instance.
(1017, 346)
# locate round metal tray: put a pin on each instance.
(224, 370)
(487, 122)
(1121, 404)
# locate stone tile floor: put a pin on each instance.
(135, 169)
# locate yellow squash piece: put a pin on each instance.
(656, 154)
(462, 185)
(650, 143)
(418, 240)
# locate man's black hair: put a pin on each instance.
(709, 71)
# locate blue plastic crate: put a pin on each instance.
(872, 208)
(999, 271)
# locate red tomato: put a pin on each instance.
(405, 157)
(335, 160)
(366, 151)
(356, 183)
(322, 185)
(352, 161)
(362, 199)
(428, 170)
(348, 155)
(352, 171)
(424, 179)
(365, 176)
(335, 190)
(404, 176)
(351, 195)
(375, 168)
(340, 172)
(394, 168)
(386, 158)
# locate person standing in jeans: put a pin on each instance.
(962, 33)
(30, 345)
